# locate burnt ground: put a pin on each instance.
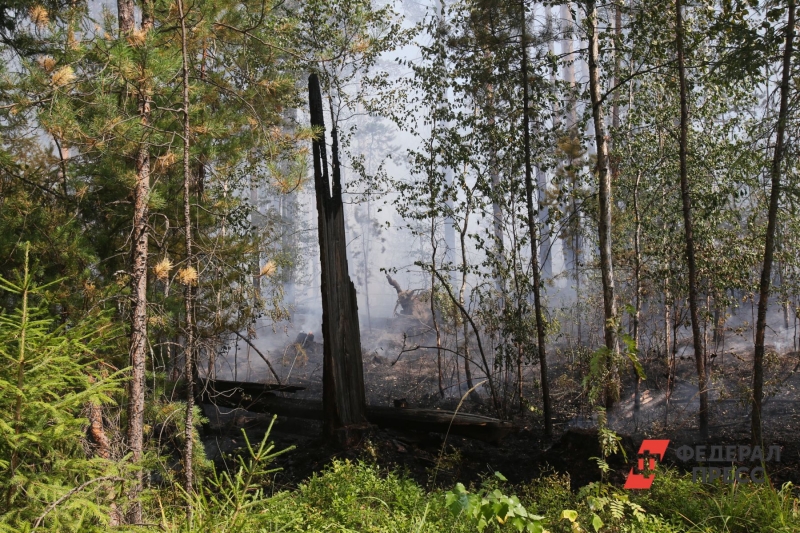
(394, 370)
(520, 457)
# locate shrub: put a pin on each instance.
(359, 497)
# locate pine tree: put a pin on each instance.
(50, 371)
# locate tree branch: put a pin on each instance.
(245, 339)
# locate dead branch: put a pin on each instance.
(477, 336)
(394, 284)
(245, 339)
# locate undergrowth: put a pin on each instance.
(48, 482)
(721, 508)
(362, 497)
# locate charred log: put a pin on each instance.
(405, 418)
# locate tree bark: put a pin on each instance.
(548, 237)
(617, 63)
(433, 308)
(189, 356)
(101, 447)
(571, 112)
(125, 16)
(533, 230)
(497, 191)
(139, 254)
(769, 244)
(343, 397)
(699, 355)
(604, 219)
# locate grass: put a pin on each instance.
(721, 508)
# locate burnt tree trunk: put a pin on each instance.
(343, 399)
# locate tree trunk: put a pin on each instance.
(433, 308)
(572, 253)
(532, 229)
(139, 253)
(699, 355)
(366, 230)
(189, 356)
(769, 244)
(497, 196)
(461, 300)
(604, 219)
(571, 115)
(101, 447)
(548, 238)
(343, 398)
(125, 16)
(637, 277)
(617, 62)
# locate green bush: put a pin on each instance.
(359, 497)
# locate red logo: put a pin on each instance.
(641, 477)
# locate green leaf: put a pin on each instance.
(569, 515)
(534, 527)
(597, 523)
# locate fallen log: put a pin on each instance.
(253, 390)
(425, 420)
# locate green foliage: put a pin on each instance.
(164, 423)
(237, 503)
(358, 497)
(489, 506)
(610, 508)
(49, 373)
(736, 508)
(599, 374)
(347, 497)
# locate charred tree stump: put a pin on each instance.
(343, 398)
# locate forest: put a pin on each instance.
(399, 265)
